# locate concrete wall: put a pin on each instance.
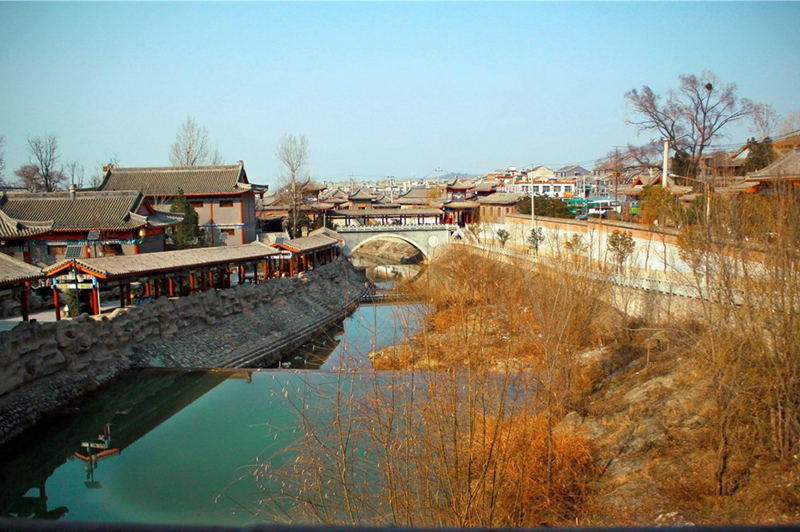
(656, 252)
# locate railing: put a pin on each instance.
(393, 227)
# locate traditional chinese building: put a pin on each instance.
(37, 228)
(222, 196)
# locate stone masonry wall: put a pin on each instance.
(44, 365)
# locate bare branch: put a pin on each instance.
(43, 157)
(191, 145)
(691, 117)
(293, 154)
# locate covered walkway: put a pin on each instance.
(15, 280)
(183, 272)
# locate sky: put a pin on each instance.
(378, 89)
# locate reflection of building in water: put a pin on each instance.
(141, 401)
(96, 451)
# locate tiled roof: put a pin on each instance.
(308, 243)
(163, 261)
(231, 179)
(461, 184)
(501, 198)
(13, 271)
(12, 228)
(486, 186)
(786, 167)
(387, 212)
(87, 210)
(325, 231)
(460, 205)
(362, 194)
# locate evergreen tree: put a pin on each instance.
(545, 206)
(761, 155)
(187, 233)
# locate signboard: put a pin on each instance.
(93, 235)
(80, 286)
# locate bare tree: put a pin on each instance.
(216, 158)
(100, 170)
(191, 145)
(790, 124)
(691, 117)
(74, 172)
(765, 120)
(41, 173)
(293, 154)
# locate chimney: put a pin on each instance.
(72, 191)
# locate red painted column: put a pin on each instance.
(147, 288)
(93, 297)
(191, 283)
(171, 287)
(56, 304)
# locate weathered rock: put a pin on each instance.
(204, 330)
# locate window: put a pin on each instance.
(196, 204)
(226, 203)
(229, 232)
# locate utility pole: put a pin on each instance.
(666, 164)
(437, 175)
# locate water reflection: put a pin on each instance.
(132, 406)
(161, 445)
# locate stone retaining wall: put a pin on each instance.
(44, 365)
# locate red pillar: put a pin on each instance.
(93, 301)
(171, 287)
(56, 304)
(147, 288)
(191, 282)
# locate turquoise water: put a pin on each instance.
(179, 445)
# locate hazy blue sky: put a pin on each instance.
(378, 89)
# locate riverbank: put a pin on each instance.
(46, 365)
(651, 398)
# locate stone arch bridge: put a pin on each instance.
(431, 240)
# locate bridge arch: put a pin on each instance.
(430, 240)
(384, 236)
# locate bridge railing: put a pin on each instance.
(393, 228)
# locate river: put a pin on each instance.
(168, 446)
